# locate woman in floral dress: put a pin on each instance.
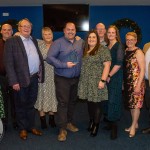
(134, 86)
(46, 101)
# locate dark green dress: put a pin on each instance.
(115, 85)
(1, 105)
(91, 72)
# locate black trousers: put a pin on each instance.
(147, 94)
(66, 94)
(8, 97)
(24, 103)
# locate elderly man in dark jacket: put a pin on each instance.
(24, 67)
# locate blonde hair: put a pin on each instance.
(132, 34)
(48, 30)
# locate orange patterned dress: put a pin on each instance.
(131, 75)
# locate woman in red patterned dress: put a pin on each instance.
(134, 86)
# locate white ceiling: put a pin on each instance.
(91, 2)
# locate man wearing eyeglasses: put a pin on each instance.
(24, 67)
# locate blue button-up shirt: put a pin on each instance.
(32, 55)
(63, 51)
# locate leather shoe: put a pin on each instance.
(146, 131)
(23, 134)
(72, 127)
(36, 132)
(62, 135)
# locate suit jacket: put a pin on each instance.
(145, 49)
(16, 62)
(2, 68)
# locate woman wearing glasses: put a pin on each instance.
(134, 87)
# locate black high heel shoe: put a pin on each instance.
(90, 125)
(94, 130)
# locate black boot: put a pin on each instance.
(52, 121)
(90, 125)
(43, 122)
(113, 134)
(94, 130)
(108, 126)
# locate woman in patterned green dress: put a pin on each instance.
(2, 115)
(1, 105)
(95, 68)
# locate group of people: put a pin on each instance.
(50, 76)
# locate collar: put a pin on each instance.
(69, 40)
(23, 38)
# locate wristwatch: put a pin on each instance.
(109, 76)
(103, 81)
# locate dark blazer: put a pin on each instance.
(16, 62)
(2, 68)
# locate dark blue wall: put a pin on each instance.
(35, 14)
(105, 14)
(110, 14)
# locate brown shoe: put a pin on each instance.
(62, 135)
(36, 132)
(146, 131)
(23, 134)
(72, 127)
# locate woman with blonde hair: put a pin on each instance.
(134, 71)
(46, 101)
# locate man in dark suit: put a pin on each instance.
(24, 67)
(7, 91)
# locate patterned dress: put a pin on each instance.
(131, 75)
(1, 105)
(91, 73)
(46, 100)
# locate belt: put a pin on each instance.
(33, 75)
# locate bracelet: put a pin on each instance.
(103, 81)
(109, 76)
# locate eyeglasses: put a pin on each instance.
(101, 29)
(130, 40)
(28, 27)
